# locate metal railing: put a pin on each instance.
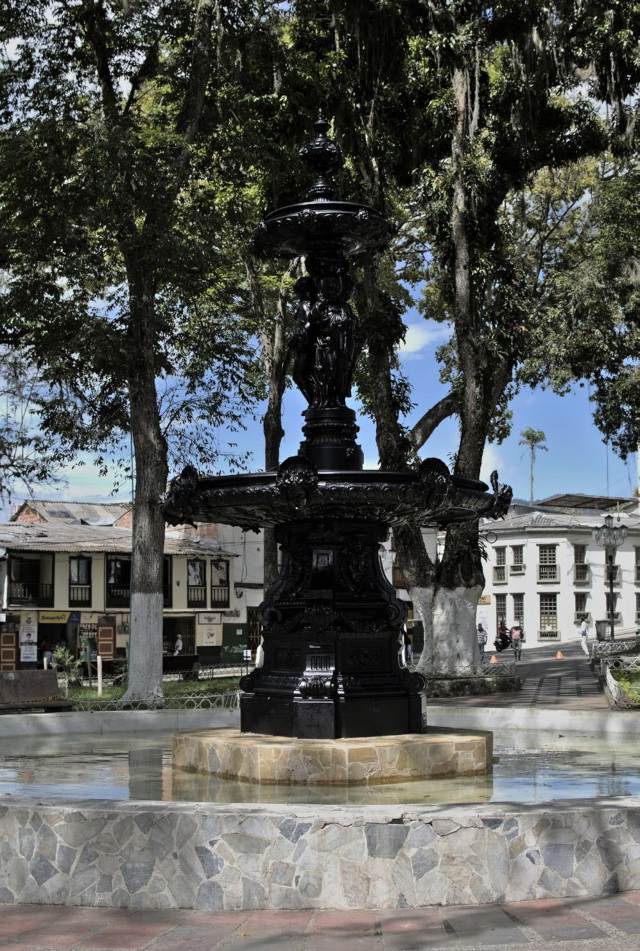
(548, 573)
(220, 595)
(79, 595)
(118, 596)
(196, 701)
(197, 596)
(581, 573)
(31, 592)
(548, 634)
(518, 568)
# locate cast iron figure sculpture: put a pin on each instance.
(333, 625)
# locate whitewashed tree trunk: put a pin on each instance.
(145, 644)
(455, 645)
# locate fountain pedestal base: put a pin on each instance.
(359, 761)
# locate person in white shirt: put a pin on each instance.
(584, 636)
(178, 646)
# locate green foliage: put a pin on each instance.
(113, 194)
(629, 682)
(533, 438)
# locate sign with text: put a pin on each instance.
(53, 617)
(215, 618)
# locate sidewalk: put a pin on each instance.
(604, 924)
(546, 682)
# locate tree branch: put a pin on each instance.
(95, 25)
(148, 69)
(446, 407)
(191, 114)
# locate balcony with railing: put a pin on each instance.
(79, 595)
(220, 596)
(197, 596)
(37, 593)
(118, 595)
(548, 574)
(581, 573)
(548, 633)
(517, 568)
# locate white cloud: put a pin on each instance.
(419, 336)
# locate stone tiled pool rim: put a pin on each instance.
(239, 857)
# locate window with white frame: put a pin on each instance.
(501, 609)
(547, 564)
(580, 566)
(548, 616)
(517, 559)
(581, 613)
(518, 609)
(500, 570)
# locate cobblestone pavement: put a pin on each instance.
(580, 924)
(546, 682)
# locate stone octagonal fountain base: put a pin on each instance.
(231, 754)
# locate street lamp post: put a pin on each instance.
(611, 537)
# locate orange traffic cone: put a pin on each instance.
(559, 655)
(494, 659)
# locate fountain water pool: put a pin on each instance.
(527, 768)
(110, 822)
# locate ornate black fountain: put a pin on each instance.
(333, 626)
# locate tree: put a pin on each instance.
(595, 332)
(534, 440)
(501, 99)
(121, 150)
(27, 457)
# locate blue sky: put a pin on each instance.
(576, 460)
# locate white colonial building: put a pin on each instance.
(546, 571)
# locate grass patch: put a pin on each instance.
(171, 688)
(629, 681)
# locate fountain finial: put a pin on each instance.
(324, 158)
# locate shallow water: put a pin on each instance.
(527, 768)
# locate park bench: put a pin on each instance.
(28, 690)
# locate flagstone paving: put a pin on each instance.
(602, 924)
(568, 683)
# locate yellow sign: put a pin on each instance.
(485, 599)
(53, 617)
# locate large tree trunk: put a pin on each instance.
(394, 448)
(273, 341)
(145, 645)
(460, 578)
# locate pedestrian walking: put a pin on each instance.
(584, 637)
(516, 641)
(483, 637)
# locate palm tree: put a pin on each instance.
(534, 439)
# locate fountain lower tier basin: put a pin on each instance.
(269, 760)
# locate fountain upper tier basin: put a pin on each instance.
(429, 496)
(323, 228)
